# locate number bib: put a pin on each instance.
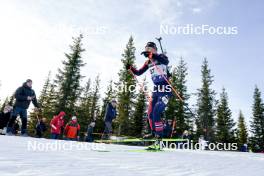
(158, 73)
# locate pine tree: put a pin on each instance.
(84, 109)
(68, 79)
(126, 97)
(139, 114)
(32, 122)
(242, 134)
(224, 121)
(206, 105)
(176, 108)
(44, 92)
(8, 101)
(4, 104)
(257, 123)
(49, 108)
(11, 100)
(95, 99)
(46, 101)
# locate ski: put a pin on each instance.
(137, 140)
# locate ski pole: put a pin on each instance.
(159, 39)
(175, 91)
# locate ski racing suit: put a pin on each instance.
(161, 92)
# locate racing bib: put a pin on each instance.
(158, 73)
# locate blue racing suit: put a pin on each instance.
(161, 92)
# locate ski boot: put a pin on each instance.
(148, 136)
(157, 144)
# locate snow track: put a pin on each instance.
(16, 159)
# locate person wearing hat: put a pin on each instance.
(72, 130)
(110, 115)
(158, 66)
(24, 96)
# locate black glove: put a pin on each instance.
(128, 66)
(145, 53)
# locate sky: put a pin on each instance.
(34, 35)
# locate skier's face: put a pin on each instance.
(29, 84)
(150, 49)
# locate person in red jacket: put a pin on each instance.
(56, 125)
(72, 130)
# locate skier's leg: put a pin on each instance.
(150, 111)
(23, 116)
(157, 112)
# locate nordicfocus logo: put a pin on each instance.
(190, 145)
(190, 29)
(63, 146)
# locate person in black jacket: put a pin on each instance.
(24, 95)
(110, 115)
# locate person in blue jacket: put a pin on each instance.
(89, 137)
(158, 66)
(110, 115)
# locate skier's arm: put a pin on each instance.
(163, 59)
(142, 70)
(19, 96)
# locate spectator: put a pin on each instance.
(57, 124)
(167, 131)
(89, 137)
(110, 114)
(72, 130)
(24, 95)
(41, 127)
(5, 116)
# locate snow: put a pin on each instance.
(17, 158)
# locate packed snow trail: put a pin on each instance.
(16, 159)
